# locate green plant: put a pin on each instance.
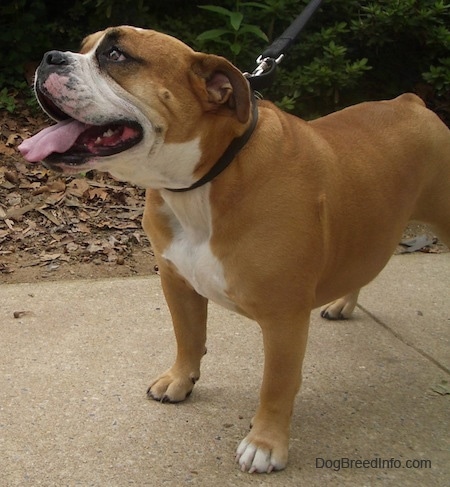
(439, 77)
(351, 50)
(288, 103)
(358, 50)
(7, 100)
(332, 72)
(14, 97)
(318, 70)
(236, 33)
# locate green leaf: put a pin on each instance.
(235, 48)
(254, 29)
(217, 10)
(255, 4)
(236, 20)
(212, 34)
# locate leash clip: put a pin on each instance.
(264, 74)
(265, 64)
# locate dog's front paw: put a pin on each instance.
(172, 387)
(261, 455)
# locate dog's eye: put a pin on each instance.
(115, 55)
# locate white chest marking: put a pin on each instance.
(190, 251)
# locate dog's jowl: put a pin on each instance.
(326, 200)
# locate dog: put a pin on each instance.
(246, 205)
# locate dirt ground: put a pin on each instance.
(54, 227)
(87, 226)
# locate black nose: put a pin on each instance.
(55, 58)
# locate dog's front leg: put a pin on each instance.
(189, 311)
(266, 446)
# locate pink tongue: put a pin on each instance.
(57, 138)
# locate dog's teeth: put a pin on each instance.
(106, 134)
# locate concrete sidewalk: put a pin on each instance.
(75, 366)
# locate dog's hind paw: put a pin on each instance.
(341, 309)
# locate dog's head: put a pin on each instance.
(139, 104)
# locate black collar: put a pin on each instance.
(230, 153)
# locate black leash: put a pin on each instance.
(261, 77)
(264, 74)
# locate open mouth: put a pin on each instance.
(72, 142)
(99, 141)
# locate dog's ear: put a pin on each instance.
(90, 41)
(219, 83)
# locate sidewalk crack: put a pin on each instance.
(398, 336)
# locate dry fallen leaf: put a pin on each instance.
(78, 187)
(98, 193)
(20, 314)
(443, 388)
(49, 257)
(56, 186)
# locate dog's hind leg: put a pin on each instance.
(340, 309)
(433, 205)
(435, 208)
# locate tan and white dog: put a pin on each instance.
(304, 215)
